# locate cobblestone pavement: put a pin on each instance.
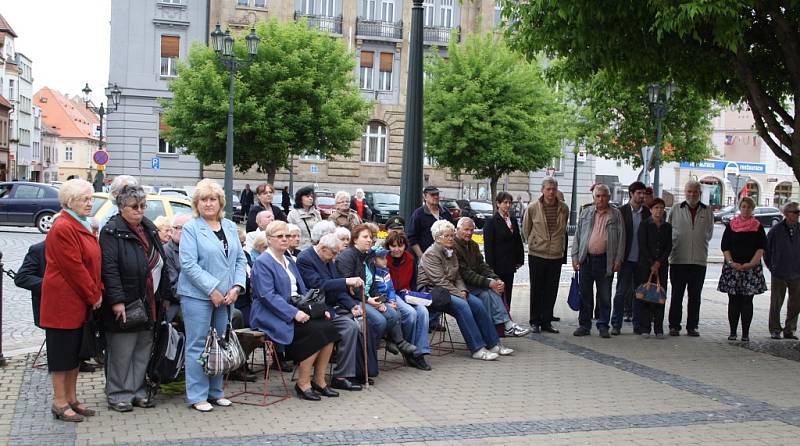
(556, 389)
(19, 333)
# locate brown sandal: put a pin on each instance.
(59, 413)
(80, 408)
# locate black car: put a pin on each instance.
(729, 210)
(766, 215)
(478, 210)
(383, 205)
(28, 204)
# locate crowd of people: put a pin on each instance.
(132, 273)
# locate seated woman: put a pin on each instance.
(355, 262)
(294, 241)
(439, 268)
(275, 279)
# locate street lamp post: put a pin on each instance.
(659, 106)
(222, 43)
(114, 95)
(573, 206)
(411, 177)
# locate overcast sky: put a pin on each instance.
(67, 40)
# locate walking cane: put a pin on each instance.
(366, 333)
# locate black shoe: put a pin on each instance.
(745, 338)
(604, 333)
(616, 331)
(406, 347)
(369, 380)
(241, 374)
(308, 394)
(345, 384)
(638, 331)
(776, 335)
(674, 332)
(789, 336)
(732, 337)
(418, 362)
(693, 332)
(85, 367)
(536, 328)
(580, 331)
(121, 407)
(555, 319)
(391, 347)
(326, 391)
(550, 329)
(144, 403)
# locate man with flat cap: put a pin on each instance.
(419, 225)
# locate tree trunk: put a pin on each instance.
(493, 191)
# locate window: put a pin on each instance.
(427, 160)
(387, 10)
(28, 192)
(373, 146)
(180, 208)
(260, 3)
(366, 72)
(369, 9)
(498, 13)
(155, 209)
(37, 151)
(312, 157)
(328, 8)
(11, 89)
(555, 164)
(164, 147)
(446, 15)
(5, 190)
(429, 14)
(171, 2)
(67, 153)
(170, 46)
(241, 2)
(308, 6)
(385, 78)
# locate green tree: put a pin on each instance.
(616, 122)
(735, 50)
(488, 112)
(296, 98)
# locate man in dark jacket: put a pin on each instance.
(246, 199)
(263, 201)
(419, 224)
(783, 243)
(633, 214)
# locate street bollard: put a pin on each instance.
(2, 359)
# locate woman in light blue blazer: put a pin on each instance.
(212, 277)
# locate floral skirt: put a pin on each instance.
(748, 283)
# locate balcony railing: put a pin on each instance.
(379, 29)
(439, 35)
(332, 25)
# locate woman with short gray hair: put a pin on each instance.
(342, 215)
(133, 266)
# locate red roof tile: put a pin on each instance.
(68, 117)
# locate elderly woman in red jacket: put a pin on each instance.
(71, 288)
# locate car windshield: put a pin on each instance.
(326, 201)
(386, 198)
(98, 203)
(480, 206)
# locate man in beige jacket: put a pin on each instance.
(544, 227)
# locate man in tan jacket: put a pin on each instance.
(544, 227)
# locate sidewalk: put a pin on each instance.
(555, 390)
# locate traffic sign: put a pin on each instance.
(155, 163)
(101, 157)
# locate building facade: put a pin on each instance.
(148, 38)
(50, 141)
(74, 132)
(7, 36)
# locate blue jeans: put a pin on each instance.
(379, 324)
(197, 315)
(414, 320)
(493, 303)
(593, 271)
(474, 322)
(625, 278)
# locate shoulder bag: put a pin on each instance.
(574, 297)
(224, 354)
(651, 292)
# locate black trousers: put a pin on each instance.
(740, 305)
(508, 280)
(683, 277)
(545, 275)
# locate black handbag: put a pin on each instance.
(167, 357)
(92, 339)
(135, 315)
(311, 303)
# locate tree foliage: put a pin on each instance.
(615, 121)
(736, 50)
(488, 112)
(297, 97)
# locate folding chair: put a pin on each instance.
(439, 347)
(247, 336)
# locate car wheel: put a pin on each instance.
(44, 222)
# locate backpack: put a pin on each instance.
(167, 357)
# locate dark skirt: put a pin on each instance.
(63, 348)
(747, 283)
(310, 338)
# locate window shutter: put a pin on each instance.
(170, 46)
(366, 59)
(386, 62)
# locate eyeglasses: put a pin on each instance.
(177, 227)
(280, 236)
(138, 206)
(447, 236)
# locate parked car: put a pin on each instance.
(478, 210)
(325, 202)
(766, 215)
(156, 205)
(383, 205)
(28, 204)
(174, 191)
(452, 206)
(237, 216)
(729, 210)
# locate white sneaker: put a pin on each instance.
(484, 355)
(222, 402)
(203, 406)
(520, 331)
(502, 351)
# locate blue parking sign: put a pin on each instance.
(155, 163)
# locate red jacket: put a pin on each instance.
(71, 283)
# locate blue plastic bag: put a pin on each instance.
(574, 298)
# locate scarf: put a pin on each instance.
(81, 219)
(739, 224)
(151, 253)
